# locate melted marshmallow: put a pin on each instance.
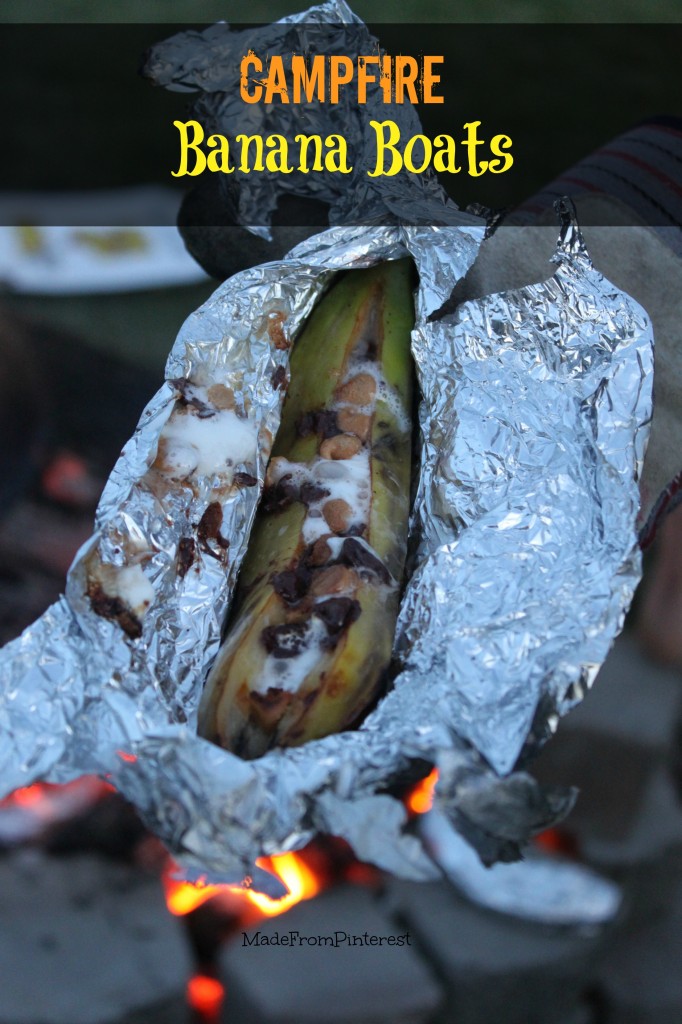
(206, 445)
(289, 673)
(130, 585)
(349, 479)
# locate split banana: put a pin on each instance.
(315, 612)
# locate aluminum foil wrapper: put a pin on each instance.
(208, 63)
(541, 888)
(533, 425)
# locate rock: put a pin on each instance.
(87, 941)
(641, 976)
(316, 983)
(497, 968)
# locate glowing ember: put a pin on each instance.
(28, 811)
(557, 841)
(183, 897)
(420, 798)
(205, 996)
(296, 875)
(129, 758)
(28, 796)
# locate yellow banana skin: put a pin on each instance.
(312, 628)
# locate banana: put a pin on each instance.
(316, 606)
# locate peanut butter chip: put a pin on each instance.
(354, 423)
(342, 446)
(276, 331)
(337, 513)
(220, 396)
(321, 552)
(274, 470)
(359, 390)
(333, 580)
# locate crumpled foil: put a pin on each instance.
(533, 421)
(532, 428)
(208, 62)
(541, 888)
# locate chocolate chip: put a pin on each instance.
(322, 422)
(371, 349)
(291, 584)
(311, 492)
(337, 613)
(285, 641)
(114, 609)
(186, 555)
(356, 530)
(209, 529)
(279, 378)
(245, 479)
(359, 556)
(280, 495)
(183, 385)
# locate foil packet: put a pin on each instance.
(533, 425)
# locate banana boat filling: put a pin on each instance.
(311, 631)
(205, 435)
(336, 493)
(206, 438)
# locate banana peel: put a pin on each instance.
(314, 616)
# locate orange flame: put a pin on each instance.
(420, 798)
(183, 897)
(205, 996)
(296, 875)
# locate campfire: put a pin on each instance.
(212, 915)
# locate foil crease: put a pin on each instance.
(535, 533)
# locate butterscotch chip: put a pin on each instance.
(337, 513)
(360, 390)
(333, 580)
(161, 455)
(221, 396)
(320, 552)
(341, 446)
(276, 331)
(354, 423)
